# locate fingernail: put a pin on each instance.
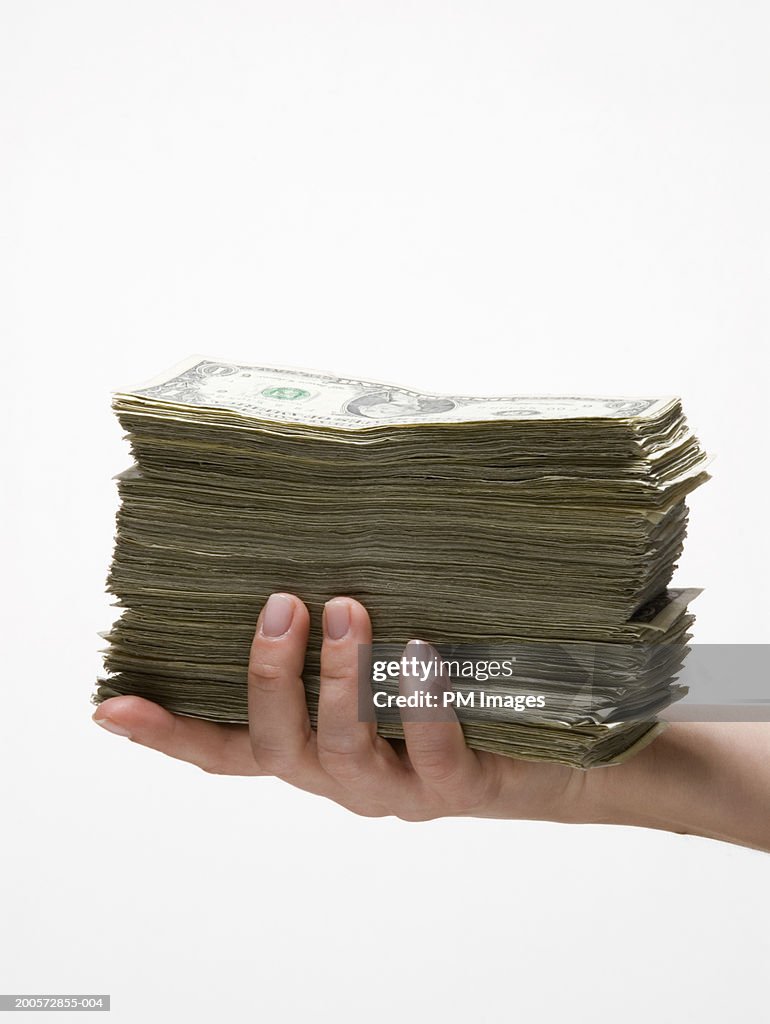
(421, 648)
(110, 726)
(427, 659)
(279, 611)
(336, 619)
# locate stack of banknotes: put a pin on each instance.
(547, 527)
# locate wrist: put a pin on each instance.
(696, 778)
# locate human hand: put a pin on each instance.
(709, 779)
(431, 774)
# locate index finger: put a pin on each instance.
(279, 723)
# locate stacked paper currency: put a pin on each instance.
(547, 525)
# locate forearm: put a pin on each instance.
(707, 779)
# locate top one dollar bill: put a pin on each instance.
(325, 399)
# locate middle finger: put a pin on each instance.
(349, 747)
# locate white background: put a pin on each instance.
(464, 196)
